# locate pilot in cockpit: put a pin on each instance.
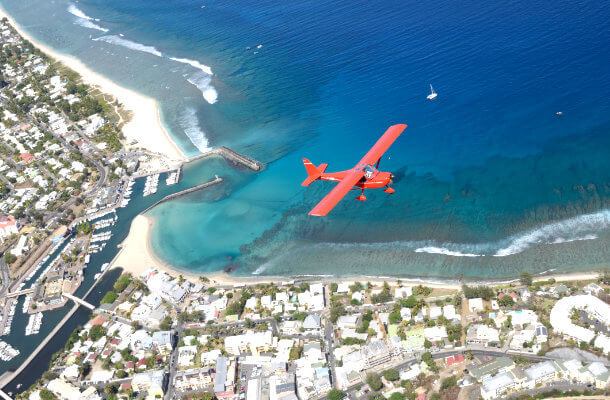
(369, 171)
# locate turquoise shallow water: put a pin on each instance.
(489, 180)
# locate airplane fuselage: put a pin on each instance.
(378, 180)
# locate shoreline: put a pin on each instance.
(147, 133)
(136, 256)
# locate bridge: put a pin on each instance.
(19, 293)
(78, 301)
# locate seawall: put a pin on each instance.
(232, 156)
(172, 196)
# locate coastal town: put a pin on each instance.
(67, 170)
(163, 336)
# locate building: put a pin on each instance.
(376, 353)
(252, 342)
(497, 366)
(475, 305)
(8, 226)
(496, 386)
(482, 334)
(149, 382)
(193, 380)
(562, 310)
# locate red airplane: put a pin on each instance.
(363, 176)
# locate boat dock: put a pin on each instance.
(232, 156)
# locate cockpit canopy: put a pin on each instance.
(369, 171)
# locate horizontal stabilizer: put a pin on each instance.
(313, 173)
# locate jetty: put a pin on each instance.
(172, 196)
(231, 156)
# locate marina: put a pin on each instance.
(151, 184)
(34, 324)
(7, 352)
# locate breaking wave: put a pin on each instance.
(580, 228)
(84, 20)
(193, 63)
(72, 9)
(190, 124)
(444, 251)
(569, 230)
(119, 41)
(203, 82)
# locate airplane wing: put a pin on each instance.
(334, 196)
(383, 144)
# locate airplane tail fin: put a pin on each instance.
(313, 173)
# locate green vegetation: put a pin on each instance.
(397, 396)
(384, 296)
(46, 394)
(484, 292)
(97, 332)
(423, 291)
(336, 394)
(9, 258)
(374, 381)
(237, 306)
(348, 341)
(295, 353)
(110, 297)
(427, 358)
(84, 228)
(448, 383)
(391, 375)
(526, 279)
(166, 324)
(121, 284)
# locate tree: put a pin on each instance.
(122, 283)
(295, 353)
(374, 381)
(46, 394)
(334, 287)
(526, 279)
(395, 317)
(397, 396)
(506, 301)
(97, 332)
(391, 375)
(166, 324)
(9, 258)
(336, 394)
(109, 297)
(448, 383)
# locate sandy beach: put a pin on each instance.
(136, 256)
(145, 128)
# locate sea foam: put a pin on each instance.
(203, 82)
(119, 41)
(84, 20)
(193, 63)
(190, 124)
(569, 230)
(444, 251)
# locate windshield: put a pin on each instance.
(369, 171)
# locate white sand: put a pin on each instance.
(145, 128)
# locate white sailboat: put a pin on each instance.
(432, 94)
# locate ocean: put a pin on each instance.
(490, 180)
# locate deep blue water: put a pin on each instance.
(487, 169)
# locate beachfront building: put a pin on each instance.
(563, 310)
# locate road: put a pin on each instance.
(173, 359)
